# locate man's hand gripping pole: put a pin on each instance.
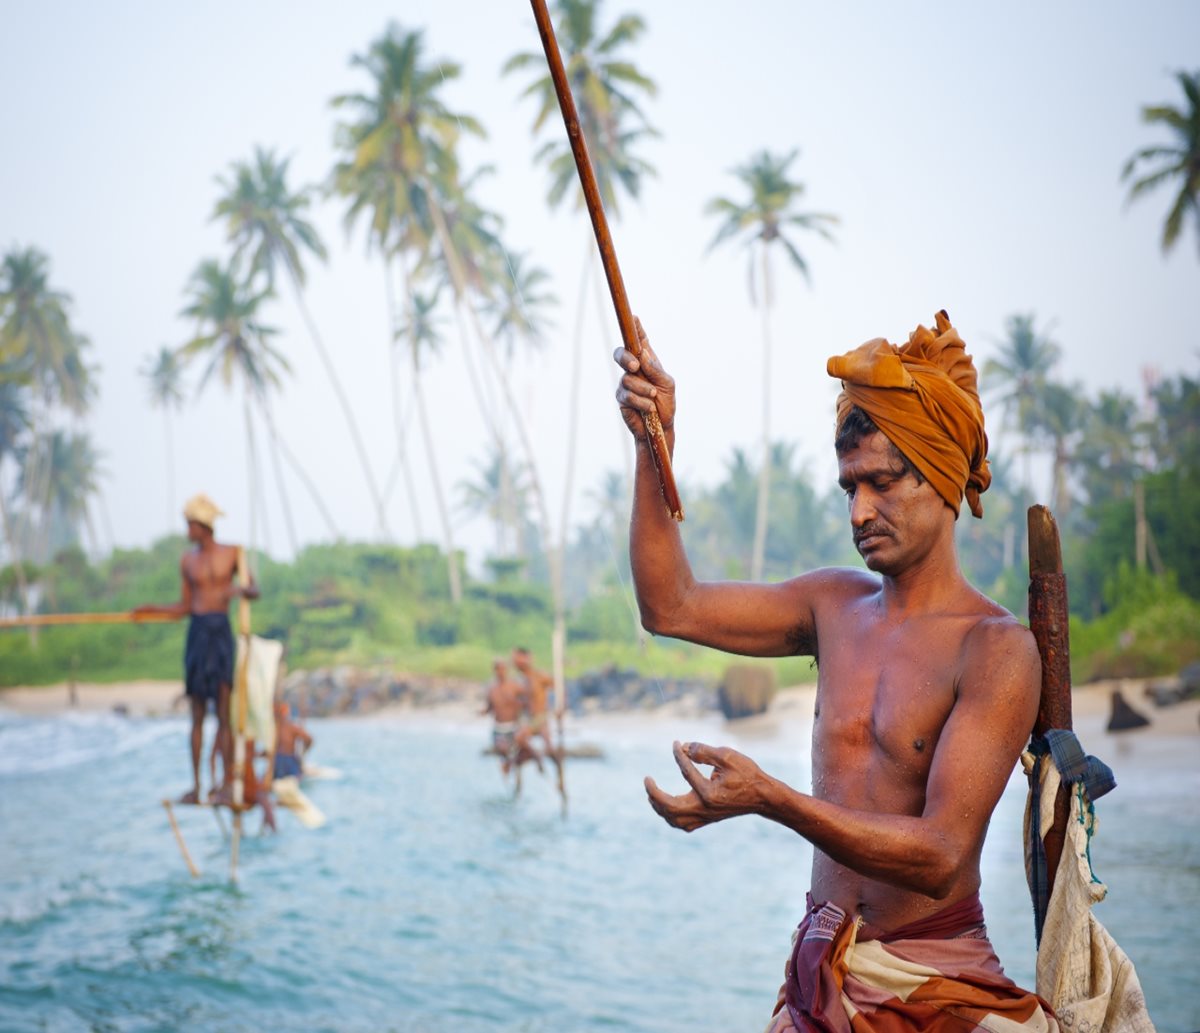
(608, 255)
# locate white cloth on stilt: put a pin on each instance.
(1081, 971)
(289, 795)
(262, 675)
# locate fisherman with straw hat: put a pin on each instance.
(207, 573)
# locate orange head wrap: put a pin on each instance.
(925, 399)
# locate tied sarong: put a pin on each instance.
(938, 974)
(208, 655)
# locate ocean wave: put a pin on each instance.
(35, 745)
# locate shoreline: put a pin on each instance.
(1091, 705)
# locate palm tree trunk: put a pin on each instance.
(344, 402)
(430, 453)
(170, 468)
(251, 475)
(764, 473)
(284, 501)
(397, 415)
(554, 554)
(300, 472)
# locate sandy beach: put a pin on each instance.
(1091, 705)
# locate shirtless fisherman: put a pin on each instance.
(506, 701)
(207, 574)
(927, 693)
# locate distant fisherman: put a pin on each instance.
(207, 574)
(292, 741)
(506, 703)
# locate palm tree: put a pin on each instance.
(72, 474)
(1018, 377)
(235, 345)
(36, 336)
(501, 494)
(1058, 420)
(424, 341)
(1178, 161)
(1108, 447)
(40, 347)
(14, 425)
(763, 219)
(518, 303)
(165, 379)
(606, 88)
(397, 141)
(264, 217)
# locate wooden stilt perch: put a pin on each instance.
(1048, 620)
(608, 254)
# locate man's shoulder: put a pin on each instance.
(836, 584)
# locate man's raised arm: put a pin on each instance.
(738, 617)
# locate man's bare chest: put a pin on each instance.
(883, 698)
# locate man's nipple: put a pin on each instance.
(919, 745)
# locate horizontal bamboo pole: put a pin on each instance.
(45, 620)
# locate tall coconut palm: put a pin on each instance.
(41, 348)
(1018, 375)
(608, 89)
(266, 219)
(1109, 445)
(1058, 421)
(36, 335)
(424, 338)
(1178, 161)
(164, 375)
(501, 494)
(72, 475)
(763, 218)
(232, 343)
(396, 140)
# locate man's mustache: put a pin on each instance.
(869, 530)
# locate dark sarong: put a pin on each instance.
(208, 656)
(287, 765)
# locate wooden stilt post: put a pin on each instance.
(169, 808)
(1048, 620)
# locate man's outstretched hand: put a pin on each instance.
(736, 786)
(644, 387)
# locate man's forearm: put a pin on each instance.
(661, 573)
(902, 850)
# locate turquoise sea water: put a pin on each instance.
(434, 901)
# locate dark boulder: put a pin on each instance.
(746, 690)
(1123, 716)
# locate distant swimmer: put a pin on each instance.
(506, 703)
(207, 573)
(292, 742)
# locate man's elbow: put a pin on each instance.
(657, 622)
(939, 869)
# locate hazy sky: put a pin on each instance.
(972, 152)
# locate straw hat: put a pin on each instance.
(203, 510)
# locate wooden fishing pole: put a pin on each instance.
(44, 620)
(1048, 620)
(608, 254)
(241, 692)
